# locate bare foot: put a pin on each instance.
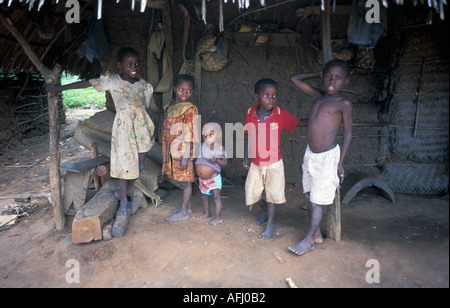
(124, 207)
(177, 210)
(179, 216)
(215, 221)
(318, 239)
(203, 216)
(302, 248)
(267, 234)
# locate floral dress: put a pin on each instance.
(133, 128)
(183, 115)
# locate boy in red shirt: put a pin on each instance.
(263, 125)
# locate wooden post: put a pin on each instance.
(334, 218)
(326, 33)
(55, 179)
(51, 77)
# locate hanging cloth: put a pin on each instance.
(96, 45)
(361, 32)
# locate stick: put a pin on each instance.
(31, 166)
(416, 118)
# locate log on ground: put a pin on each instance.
(95, 214)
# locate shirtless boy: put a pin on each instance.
(323, 160)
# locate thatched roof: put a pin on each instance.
(48, 33)
(43, 23)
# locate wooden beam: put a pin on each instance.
(51, 77)
(326, 33)
(98, 212)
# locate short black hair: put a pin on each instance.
(125, 51)
(337, 62)
(260, 84)
(184, 78)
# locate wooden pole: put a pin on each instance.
(326, 33)
(55, 180)
(51, 77)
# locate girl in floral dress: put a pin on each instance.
(179, 133)
(133, 128)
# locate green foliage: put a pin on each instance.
(81, 97)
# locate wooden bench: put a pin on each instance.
(77, 180)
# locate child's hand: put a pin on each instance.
(341, 173)
(245, 163)
(184, 163)
(213, 159)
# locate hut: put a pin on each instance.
(399, 82)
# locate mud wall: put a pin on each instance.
(228, 93)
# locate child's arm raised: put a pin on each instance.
(299, 81)
(55, 89)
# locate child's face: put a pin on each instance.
(130, 65)
(183, 91)
(334, 79)
(210, 133)
(267, 97)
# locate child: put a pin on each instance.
(263, 124)
(208, 166)
(178, 134)
(132, 129)
(323, 160)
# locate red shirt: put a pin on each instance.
(265, 137)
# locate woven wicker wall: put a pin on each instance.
(24, 109)
(419, 113)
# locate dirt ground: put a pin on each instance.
(409, 239)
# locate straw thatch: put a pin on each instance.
(55, 40)
(49, 35)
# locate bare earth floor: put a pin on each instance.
(409, 240)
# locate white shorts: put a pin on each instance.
(269, 178)
(320, 176)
